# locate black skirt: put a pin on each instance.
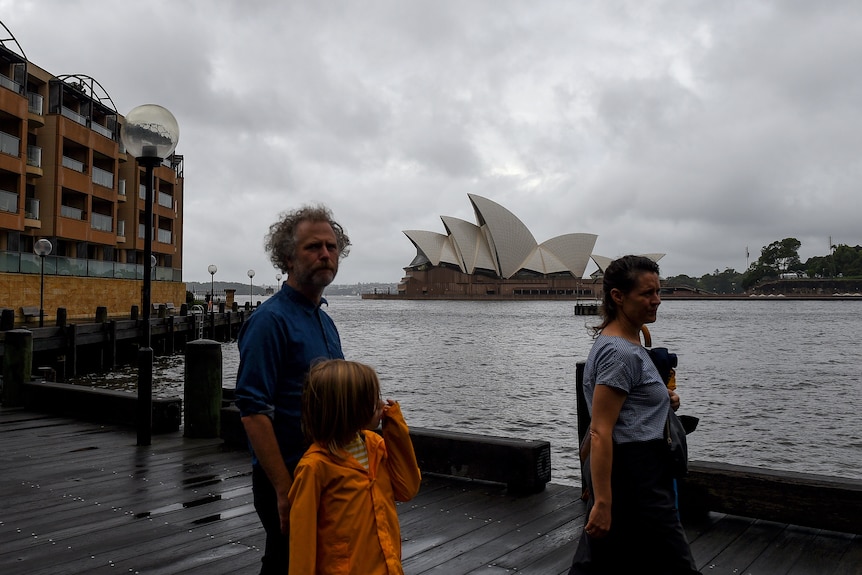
(646, 535)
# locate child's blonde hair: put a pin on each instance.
(339, 400)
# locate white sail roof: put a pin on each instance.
(470, 245)
(501, 243)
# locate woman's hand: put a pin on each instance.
(599, 523)
(674, 399)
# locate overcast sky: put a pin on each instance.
(690, 128)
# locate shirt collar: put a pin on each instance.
(301, 300)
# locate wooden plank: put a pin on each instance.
(827, 548)
(851, 561)
(185, 506)
(746, 548)
(477, 538)
(784, 496)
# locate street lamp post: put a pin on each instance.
(277, 282)
(250, 292)
(42, 248)
(150, 134)
(212, 269)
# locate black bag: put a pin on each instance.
(674, 434)
(675, 429)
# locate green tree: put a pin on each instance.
(781, 256)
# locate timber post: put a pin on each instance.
(17, 365)
(7, 319)
(202, 389)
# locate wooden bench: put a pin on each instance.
(100, 405)
(524, 465)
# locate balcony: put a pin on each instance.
(36, 107)
(10, 145)
(29, 263)
(102, 223)
(10, 84)
(71, 213)
(103, 178)
(34, 156)
(35, 103)
(31, 209)
(73, 164)
(121, 191)
(100, 129)
(74, 116)
(8, 202)
(166, 200)
(164, 236)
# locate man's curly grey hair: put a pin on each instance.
(280, 241)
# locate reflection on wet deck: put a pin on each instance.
(83, 498)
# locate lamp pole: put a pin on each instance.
(212, 269)
(42, 248)
(250, 292)
(277, 282)
(150, 134)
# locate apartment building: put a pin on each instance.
(65, 177)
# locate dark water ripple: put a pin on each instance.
(774, 383)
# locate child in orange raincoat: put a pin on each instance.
(343, 518)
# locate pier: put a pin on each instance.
(82, 498)
(100, 344)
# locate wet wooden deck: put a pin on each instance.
(79, 497)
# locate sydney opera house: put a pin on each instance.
(498, 258)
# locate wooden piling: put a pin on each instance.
(203, 389)
(17, 365)
(7, 319)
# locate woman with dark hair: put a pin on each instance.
(632, 523)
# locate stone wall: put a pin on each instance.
(82, 295)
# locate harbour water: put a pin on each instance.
(776, 384)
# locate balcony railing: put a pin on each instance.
(102, 223)
(74, 116)
(35, 103)
(29, 263)
(103, 177)
(10, 144)
(73, 164)
(70, 212)
(8, 202)
(100, 129)
(121, 189)
(164, 236)
(34, 156)
(142, 229)
(121, 228)
(31, 208)
(166, 200)
(9, 83)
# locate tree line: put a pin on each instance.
(779, 260)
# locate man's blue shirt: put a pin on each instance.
(277, 346)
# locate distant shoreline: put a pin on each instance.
(521, 298)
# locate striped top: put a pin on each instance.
(357, 449)
(618, 363)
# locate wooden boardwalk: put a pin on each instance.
(79, 497)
